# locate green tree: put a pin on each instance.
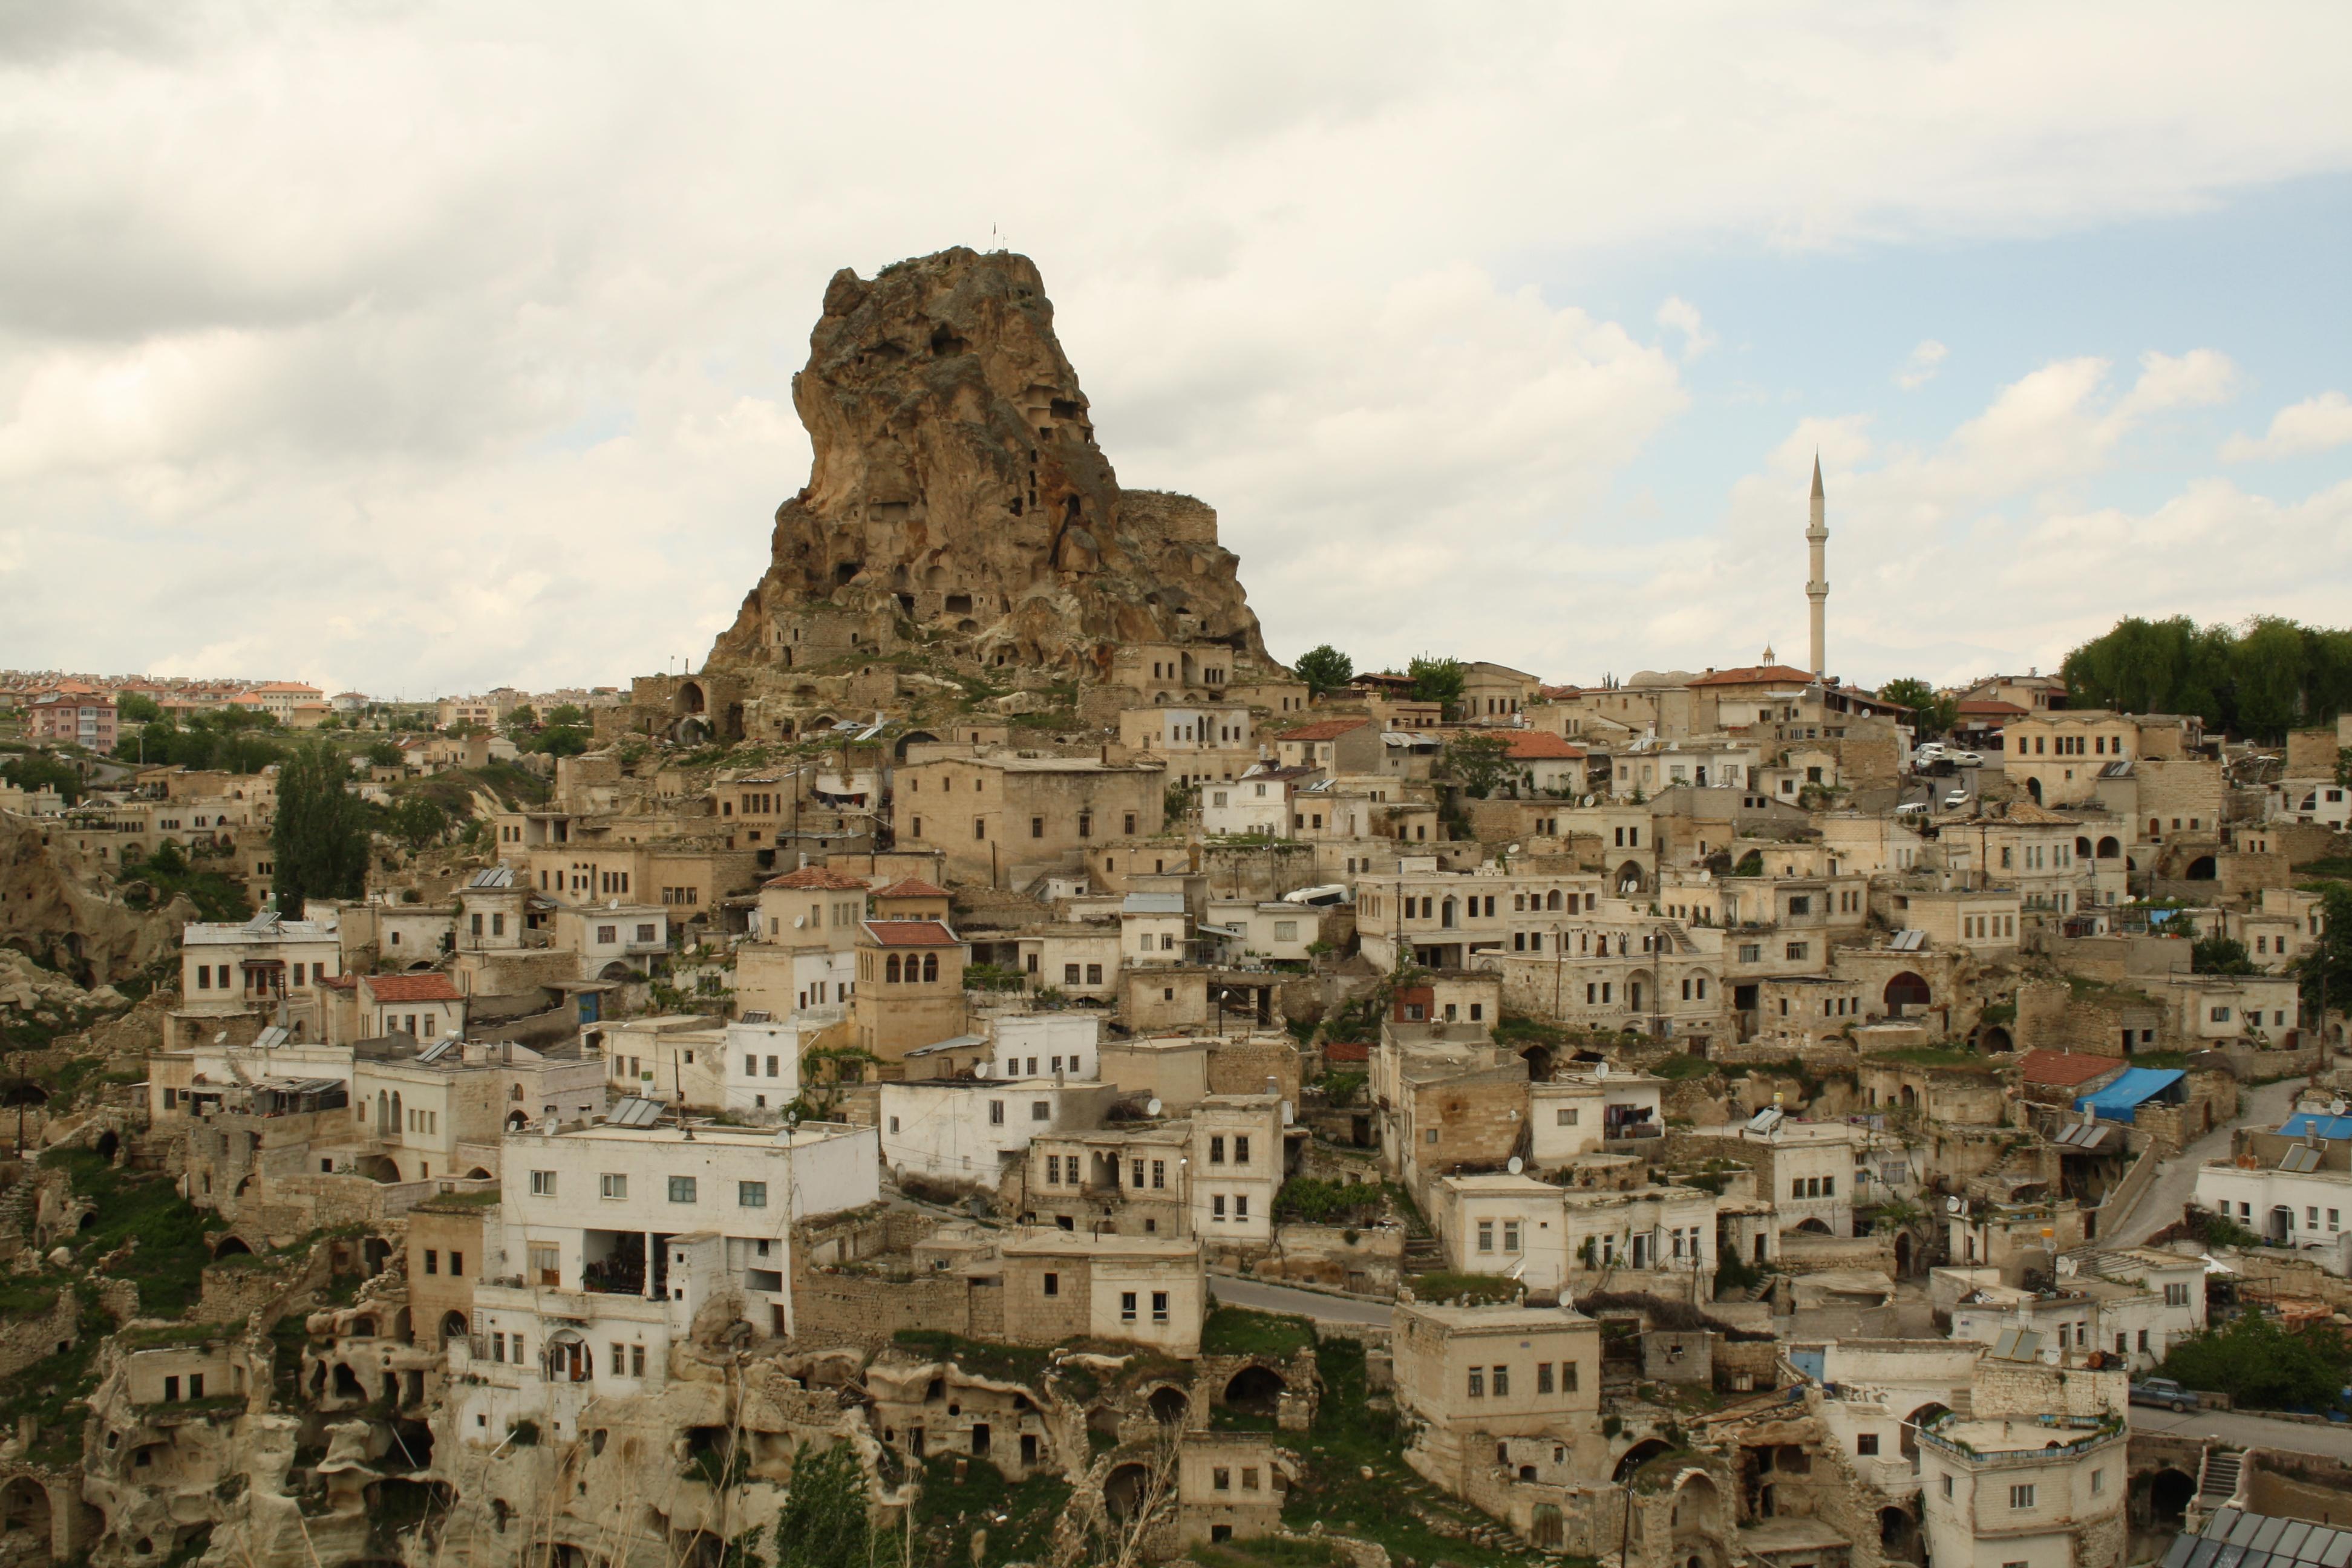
(567, 713)
(520, 721)
(1931, 715)
(826, 1522)
(1435, 679)
(1479, 762)
(418, 820)
(383, 754)
(2326, 969)
(319, 835)
(136, 708)
(561, 741)
(43, 770)
(2220, 956)
(2256, 1362)
(1325, 669)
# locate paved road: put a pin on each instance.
(2251, 1431)
(2176, 1179)
(1264, 1298)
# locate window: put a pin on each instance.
(1127, 1306)
(1221, 1479)
(2176, 1295)
(1478, 1383)
(2098, 1482)
(1948, 1492)
(1036, 827)
(1567, 1377)
(1053, 1284)
(1094, 974)
(1158, 1175)
(1040, 1111)
(432, 1261)
(1510, 1235)
(611, 1184)
(681, 1189)
(1566, 1117)
(1217, 1207)
(1216, 1151)
(1160, 1309)
(1866, 1443)
(1052, 1170)
(1543, 1377)
(751, 1194)
(1796, 950)
(996, 1113)
(1069, 975)
(1241, 1150)
(2022, 1495)
(1501, 1381)
(543, 1183)
(456, 1263)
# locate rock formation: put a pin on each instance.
(960, 511)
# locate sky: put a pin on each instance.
(423, 348)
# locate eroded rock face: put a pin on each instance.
(71, 927)
(959, 504)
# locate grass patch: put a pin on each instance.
(1238, 1330)
(153, 1336)
(1007, 1363)
(1934, 1057)
(1682, 1066)
(29, 1296)
(1019, 1519)
(1281, 1550)
(1479, 1289)
(2338, 866)
(168, 1265)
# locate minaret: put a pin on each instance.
(1817, 538)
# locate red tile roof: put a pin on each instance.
(911, 934)
(412, 988)
(1540, 746)
(1347, 1051)
(1754, 675)
(1327, 729)
(1985, 707)
(912, 887)
(2067, 1068)
(816, 878)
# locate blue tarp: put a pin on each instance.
(2135, 1087)
(2308, 1124)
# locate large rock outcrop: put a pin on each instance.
(959, 508)
(81, 932)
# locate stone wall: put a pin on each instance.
(856, 1307)
(24, 1340)
(1804, 1252)
(1366, 1262)
(2299, 1486)
(1243, 1066)
(2052, 1018)
(2028, 1390)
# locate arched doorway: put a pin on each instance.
(2201, 868)
(108, 1145)
(1906, 990)
(1901, 1252)
(1635, 1457)
(1898, 1537)
(1816, 1227)
(231, 1247)
(1995, 1041)
(2168, 1491)
(1927, 1415)
(25, 1517)
(1255, 1389)
(1168, 1405)
(2110, 847)
(1629, 878)
(1697, 1515)
(1540, 1063)
(2034, 789)
(452, 1326)
(1125, 1490)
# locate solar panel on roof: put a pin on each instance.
(635, 1111)
(2338, 1552)
(2218, 1528)
(2177, 1557)
(1765, 1120)
(2230, 1556)
(2290, 1544)
(2249, 1525)
(2303, 1157)
(2207, 1550)
(270, 1038)
(436, 1050)
(2266, 1538)
(756, 1015)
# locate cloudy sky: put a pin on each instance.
(420, 348)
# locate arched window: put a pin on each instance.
(890, 969)
(930, 966)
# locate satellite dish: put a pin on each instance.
(799, 920)
(1954, 1206)
(2336, 1108)
(221, 1038)
(979, 1070)
(1516, 1166)
(1151, 1106)
(1285, 1113)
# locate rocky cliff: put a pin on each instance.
(958, 506)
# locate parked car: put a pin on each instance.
(1955, 799)
(2162, 1391)
(1964, 759)
(1911, 808)
(1927, 752)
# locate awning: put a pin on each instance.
(2137, 1087)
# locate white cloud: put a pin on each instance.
(426, 346)
(1679, 315)
(2315, 424)
(1921, 367)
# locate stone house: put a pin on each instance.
(970, 1131)
(1229, 1486)
(1005, 819)
(1055, 1284)
(1469, 1379)
(448, 1249)
(908, 990)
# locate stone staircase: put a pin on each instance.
(2219, 1482)
(1682, 943)
(16, 1209)
(1421, 1255)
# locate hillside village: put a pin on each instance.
(991, 1066)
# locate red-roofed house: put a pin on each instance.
(426, 1006)
(911, 899)
(909, 989)
(2061, 1076)
(67, 717)
(1545, 762)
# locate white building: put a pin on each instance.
(968, 1130)
(1153, 929)
(1257, 803)
(2291, 1190)
(230, 968)
(1541, 1234)
(1067, 1046)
